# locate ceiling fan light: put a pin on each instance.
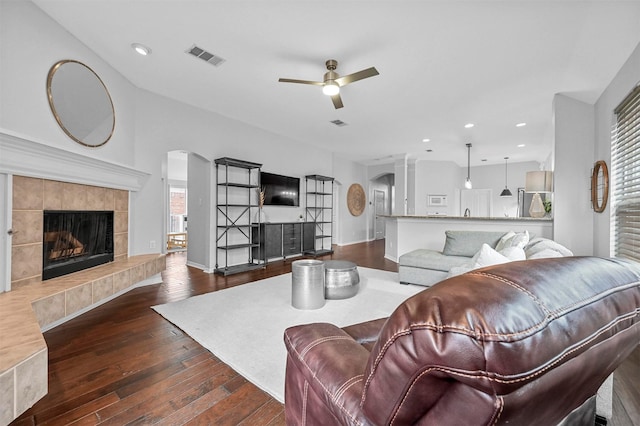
(331, 88)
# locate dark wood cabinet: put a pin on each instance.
(282, 239)
(269, 238)
(291, 238)
(308, 237)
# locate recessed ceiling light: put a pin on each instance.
(426, 140)
(521, 145)
(521, 124)
(469, 125)
(141, 49)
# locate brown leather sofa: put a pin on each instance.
(523, 343)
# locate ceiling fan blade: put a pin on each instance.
(290, 80)
(350, 78)
(337, 101)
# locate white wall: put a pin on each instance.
(352, 229)
(492, 177)
(582, 136)
(164, 125)
(626, 79)
(447, 178)
(147, 125)
(199, 178)
(574, 148)
(30, 44)
(401, 187)
(411, 186)
(436, 178)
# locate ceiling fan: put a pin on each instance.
(332, 82)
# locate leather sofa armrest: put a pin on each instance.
(366, 333)
(328, 363)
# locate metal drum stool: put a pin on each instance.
(307, 284)
(341, 279)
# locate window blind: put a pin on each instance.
(625, 177)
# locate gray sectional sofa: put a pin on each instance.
(467, 250)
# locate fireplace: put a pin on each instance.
(75, 240)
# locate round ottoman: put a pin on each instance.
(341, 279)
(307, 284)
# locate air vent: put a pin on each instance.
(339, 123)
(208, 57)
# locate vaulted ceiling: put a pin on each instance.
(442, 64)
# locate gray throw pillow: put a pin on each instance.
(468, 243)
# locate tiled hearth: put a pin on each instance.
(35, 305)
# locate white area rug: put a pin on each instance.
(244, 326)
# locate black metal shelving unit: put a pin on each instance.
(237, 185)
(319, 211)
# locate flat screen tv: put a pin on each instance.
(280, 190)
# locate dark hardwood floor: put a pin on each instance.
(123, 364)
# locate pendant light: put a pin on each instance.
(505, 192)
(467, 183)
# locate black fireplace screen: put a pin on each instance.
(75, 240)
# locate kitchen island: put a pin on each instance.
(406, 233)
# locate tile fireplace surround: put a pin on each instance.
(32, 196)
(32, 305)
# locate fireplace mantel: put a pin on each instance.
(27, 157)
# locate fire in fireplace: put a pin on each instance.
(75, 240)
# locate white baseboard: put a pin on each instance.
(354, 242)
(199, 266)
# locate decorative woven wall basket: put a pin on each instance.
(356, 199)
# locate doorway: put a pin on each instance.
(379, 208)
(381, 194)
(177, 229)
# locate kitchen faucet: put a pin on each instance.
(467, 212)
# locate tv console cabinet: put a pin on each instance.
(279, 240)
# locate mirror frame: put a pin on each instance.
(599, 193)
(50, 76)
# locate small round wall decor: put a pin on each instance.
(356, 200)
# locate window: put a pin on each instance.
(177, 209)
(625, 168)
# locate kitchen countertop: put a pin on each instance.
(441, 216)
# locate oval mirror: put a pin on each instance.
(80, 103)
(599, 186)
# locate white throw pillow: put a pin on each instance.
(538, 245)
(487, 256)
(513, 253)
(513, 239)
(504, 240)
(520, 240)
(545, 253)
